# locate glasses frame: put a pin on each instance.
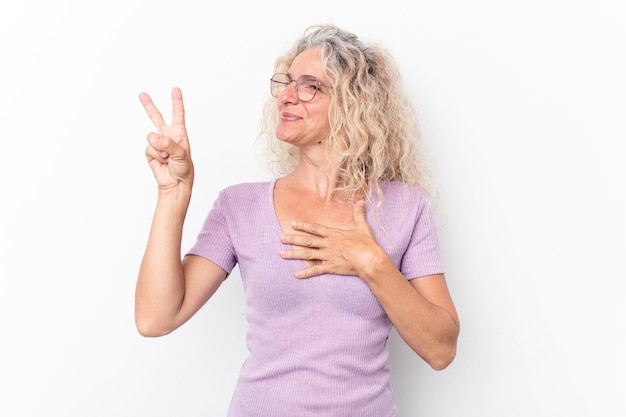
(298, 82)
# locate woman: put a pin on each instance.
(335, 251)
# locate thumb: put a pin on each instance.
(166, 146)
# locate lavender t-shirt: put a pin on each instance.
(318, 346)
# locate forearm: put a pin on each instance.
(161, 285)
(429, 329)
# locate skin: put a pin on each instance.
(328, 232)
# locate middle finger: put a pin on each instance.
(306, 241)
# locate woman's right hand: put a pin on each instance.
(168, 151)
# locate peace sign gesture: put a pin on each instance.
(168, 151)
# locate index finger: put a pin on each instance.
(178, 108)
(312, 228)
(153, 112)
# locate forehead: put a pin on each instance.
(308, 62)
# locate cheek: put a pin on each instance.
(321, 118)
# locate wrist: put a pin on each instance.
(376, 265)
(177, 198)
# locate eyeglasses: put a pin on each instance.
(306, 86)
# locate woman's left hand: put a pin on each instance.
(337, 251)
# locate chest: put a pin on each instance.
(254, 225)
(291, 207)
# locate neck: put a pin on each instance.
(317, 180)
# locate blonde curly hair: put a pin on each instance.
(370, 115)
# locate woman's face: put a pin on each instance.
(304, 124)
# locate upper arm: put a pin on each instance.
(435, 290)
(202, 279)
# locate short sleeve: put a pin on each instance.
(422, 256)
(214, 240)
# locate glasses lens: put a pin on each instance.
(278, 83)
(307, 86)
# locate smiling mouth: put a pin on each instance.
(289, 116)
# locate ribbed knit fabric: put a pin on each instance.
(318, 346)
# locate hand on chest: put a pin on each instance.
(292, 207)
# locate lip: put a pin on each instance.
(289, 116)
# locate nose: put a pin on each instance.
(289, 94)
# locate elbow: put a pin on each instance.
(149, 332)
(442, 354)
(442, 359)
(151, 328)
(445, 351)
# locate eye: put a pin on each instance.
(281, 79)
(278, 83)
(309, 83)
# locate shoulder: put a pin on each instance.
(243, 195)
(400, 193)
(246, 190)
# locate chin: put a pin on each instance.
(284, 137)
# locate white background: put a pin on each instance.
(523, 109)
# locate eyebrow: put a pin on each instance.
(322, 83)
(304, 75)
